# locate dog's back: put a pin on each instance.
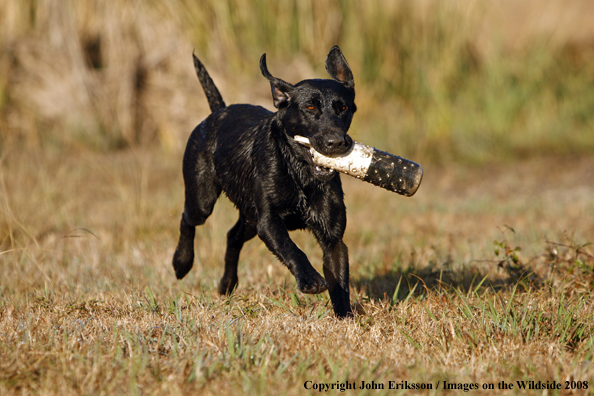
(241, 135)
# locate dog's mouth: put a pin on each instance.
(320, 172)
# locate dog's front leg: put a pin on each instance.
(273, 232)
(336, 272)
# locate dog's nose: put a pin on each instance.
(335, 143)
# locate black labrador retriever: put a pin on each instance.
(249, 153)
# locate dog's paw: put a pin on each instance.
(343, 311)
(183, 260)
(226, 286)
(312, 283)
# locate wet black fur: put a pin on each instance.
(249, 153)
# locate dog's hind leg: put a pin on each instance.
(202, 191)
(194, 215)
(183, 258)
(241, 232)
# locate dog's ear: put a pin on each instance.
(281, 90)
(338, 68)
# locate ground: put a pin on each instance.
(479, 278)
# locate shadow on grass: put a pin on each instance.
(399, 284)
(571, 261)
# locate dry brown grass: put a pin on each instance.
(89, 303)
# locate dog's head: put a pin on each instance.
(321, 110)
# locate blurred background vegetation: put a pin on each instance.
(468, 81)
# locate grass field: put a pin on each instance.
(89, 303)
(484, 278)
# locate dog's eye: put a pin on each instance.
(310, 107)
(339, 106)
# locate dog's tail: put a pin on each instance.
(215, 100)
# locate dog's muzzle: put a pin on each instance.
(319, 171)
(374, 166)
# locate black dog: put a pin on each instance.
(249, 153)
